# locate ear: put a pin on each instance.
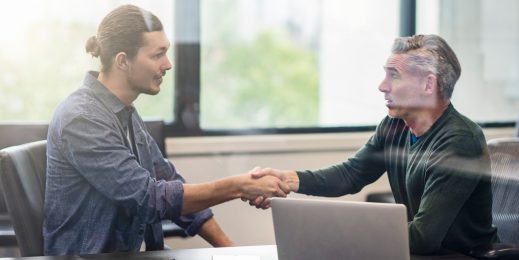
(431, 83)
(121, 61)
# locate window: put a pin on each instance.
(293, 63)
(43, 58)
(286, 65)
(485, 36)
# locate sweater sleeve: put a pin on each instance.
(348, 177)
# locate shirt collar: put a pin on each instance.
(104, 95)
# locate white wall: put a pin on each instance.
(202, 159)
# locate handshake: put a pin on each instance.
(261, 184)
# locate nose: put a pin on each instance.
(384, 86)
(167, 65)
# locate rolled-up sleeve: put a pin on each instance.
(190, 223)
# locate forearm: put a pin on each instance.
(201, 196)
(338, 180)
(213, 234)
(328, 182)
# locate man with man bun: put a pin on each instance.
(108, 186)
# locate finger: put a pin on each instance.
(258, 174)
(263, 172)
(259, 200)
(284, 187)
(266, 203)
(256, 201)
(255, 169)
(280, 193)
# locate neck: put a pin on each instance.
(421, 121)
(118, 85)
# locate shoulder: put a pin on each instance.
(458, 132)
(80, 105)
(81, 102)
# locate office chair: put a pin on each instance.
(504, 157)
(15, 134)
(22, 176)
(7, 237)
(24, 133)
(381, 197)
(156, 130)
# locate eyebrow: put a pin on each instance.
(393, 69)
(161, 50)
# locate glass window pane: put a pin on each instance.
(485, 35)
(294, 63)
(43, 58)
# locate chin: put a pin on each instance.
(152, 91)
(393, 114)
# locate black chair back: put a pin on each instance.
(22, 177)
(504, 155)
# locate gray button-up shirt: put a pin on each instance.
(99, 196)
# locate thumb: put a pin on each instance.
(258, 173)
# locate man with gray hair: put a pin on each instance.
(436, 159)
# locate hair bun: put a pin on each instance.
(92, 47)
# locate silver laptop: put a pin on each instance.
(325, 229)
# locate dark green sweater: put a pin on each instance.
(443, 179)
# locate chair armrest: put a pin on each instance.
(383, 197)
(7, 236)
(498, 251)
(171, 229)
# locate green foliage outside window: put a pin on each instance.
(268, 82)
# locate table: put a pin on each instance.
(265, 252)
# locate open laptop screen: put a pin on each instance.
(325, 229)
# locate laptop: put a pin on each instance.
(326, 229)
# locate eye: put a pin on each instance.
(157, 56)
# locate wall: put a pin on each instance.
(202, 159)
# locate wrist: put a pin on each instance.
(237, 186)
(293, 181)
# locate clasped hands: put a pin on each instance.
(268, 182)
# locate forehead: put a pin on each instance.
(396, 62)
(155, 41)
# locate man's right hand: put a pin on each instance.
(288, 177)
(253, 187)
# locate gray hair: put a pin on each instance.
(431, 53)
